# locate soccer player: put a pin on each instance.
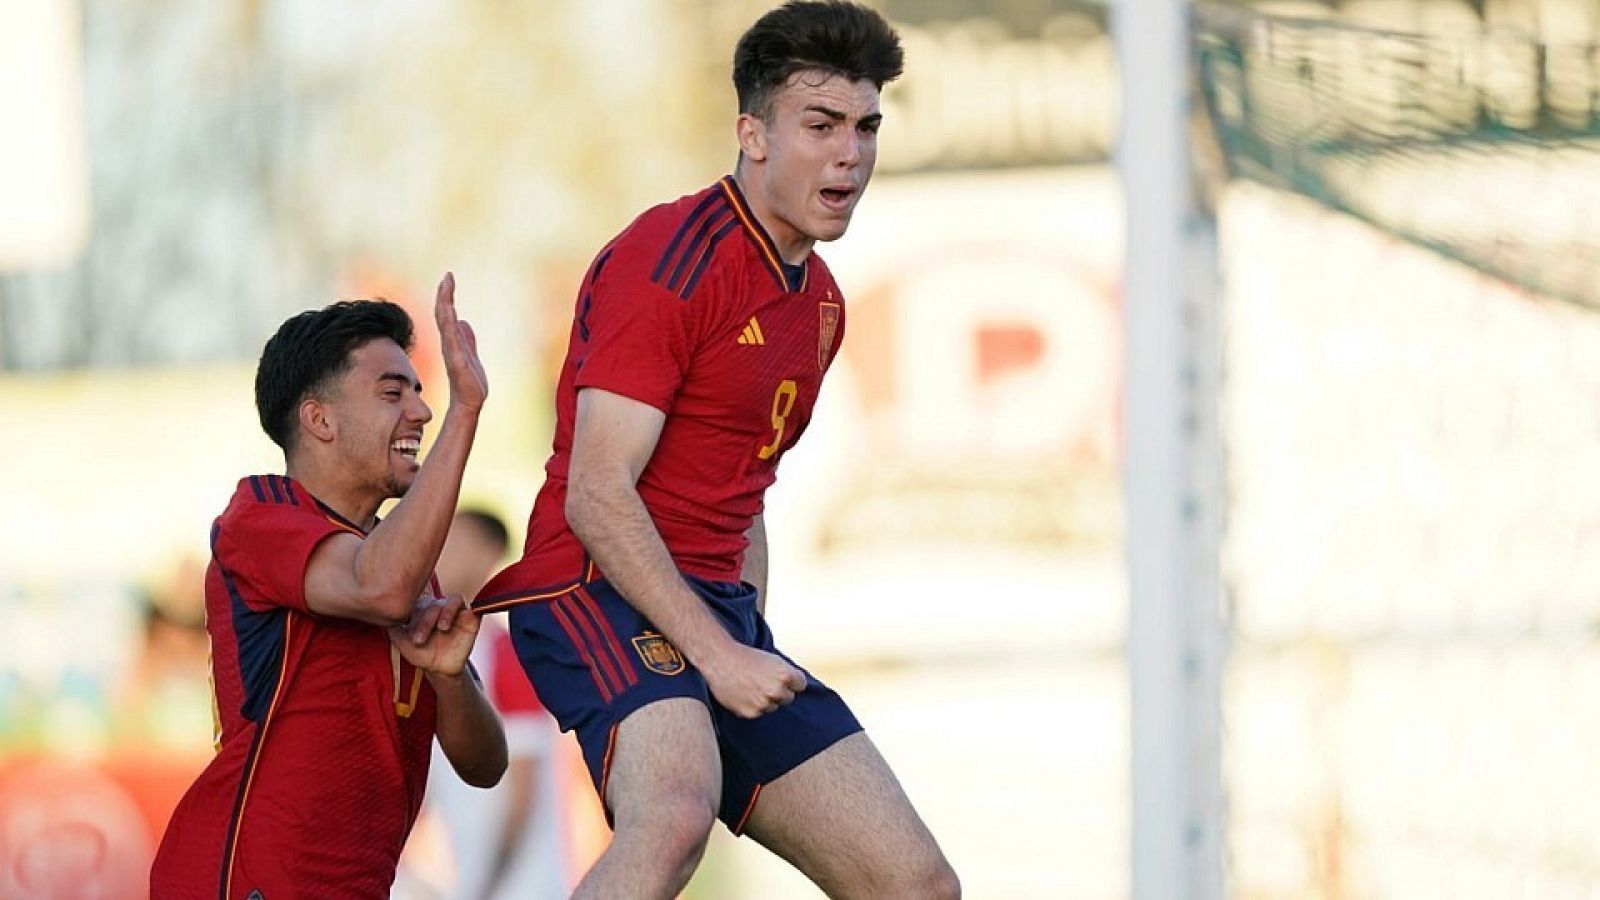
(700, 338)
(333, 661)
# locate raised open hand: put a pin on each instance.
(469, 385)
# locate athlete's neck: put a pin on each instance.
(793, 247)
(359, 506)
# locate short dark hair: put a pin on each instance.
(839, 37)
(313, 348)
(494, 528)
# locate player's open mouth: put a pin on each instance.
(837, 198)
(408, 447)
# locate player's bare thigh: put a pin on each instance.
(662, 788)
(842, 818)
(665, 759)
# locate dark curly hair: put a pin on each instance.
(839, 37)
(312, 349)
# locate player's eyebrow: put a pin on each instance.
(839, 116)
(830, 113)
(401, 377)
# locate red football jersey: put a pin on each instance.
(323, 730)
(689, 310)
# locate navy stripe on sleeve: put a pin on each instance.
(672, 247)
(696, 247)
(705, 258)
(259, 638)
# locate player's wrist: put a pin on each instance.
(461, 408)
(449, 680)
(714, 657)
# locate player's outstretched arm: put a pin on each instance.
(380, 578)
(613, 439)
(468, 729)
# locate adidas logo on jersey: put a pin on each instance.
(752, 335)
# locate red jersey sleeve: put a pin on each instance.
(637, 336)
(263, 548)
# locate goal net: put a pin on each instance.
(1410, 410)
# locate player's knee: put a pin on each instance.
(928, 876)
(677, 827)
(940, 881)
(683, 837)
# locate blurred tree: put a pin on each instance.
(245, 156)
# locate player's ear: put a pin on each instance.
(752, 134)
(316, 420)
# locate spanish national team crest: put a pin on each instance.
(658, 655)
(827, 326)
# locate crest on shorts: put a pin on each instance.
(827, 327)
(658, 655)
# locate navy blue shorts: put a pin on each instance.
(594, 660)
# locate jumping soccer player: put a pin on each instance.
(700, 339)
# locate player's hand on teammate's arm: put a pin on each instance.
(432, 613)
(439, 638)
(469, 385)
(750, 682)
